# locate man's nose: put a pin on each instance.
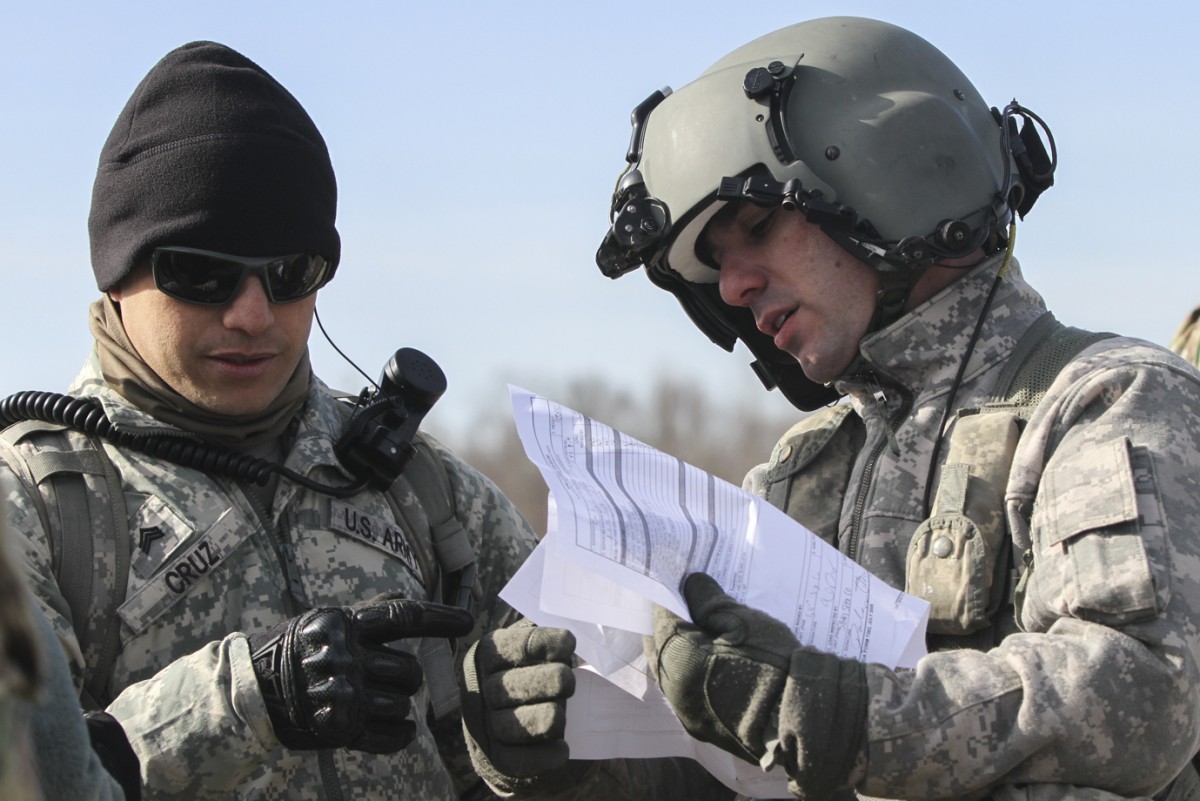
(250, 309)
(739, 281)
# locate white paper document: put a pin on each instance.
(627, 523)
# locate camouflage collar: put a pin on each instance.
(923, 348)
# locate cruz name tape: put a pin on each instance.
(193, 564)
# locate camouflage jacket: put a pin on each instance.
(1089, 678)
(1186, 341)
(183, 684)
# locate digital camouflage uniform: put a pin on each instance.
(185, 690)
(183, 683)
(1095, 682)
(1186, 341)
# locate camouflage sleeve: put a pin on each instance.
(1101, 686)
(201, 748)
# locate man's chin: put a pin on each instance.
(241, 403)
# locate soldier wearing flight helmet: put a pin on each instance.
(838, 196)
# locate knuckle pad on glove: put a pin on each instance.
(336, 691)
(323, 628)
(387, 706)
(396, 669)
(337, 723)
(531, 723)
(526, 685)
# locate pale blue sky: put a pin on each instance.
(476, 145)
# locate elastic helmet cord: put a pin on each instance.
(962, 366)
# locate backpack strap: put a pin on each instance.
(452, 547)
(86, 522)
(456, 582)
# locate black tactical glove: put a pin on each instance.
(739, 679)
(517, 682)
(330, 681)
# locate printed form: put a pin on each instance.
(626, 524)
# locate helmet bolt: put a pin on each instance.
(649, 225)
(960, 94)
(775, 68)
(758, 82)
(832, 152)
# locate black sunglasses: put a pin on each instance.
(213, 279)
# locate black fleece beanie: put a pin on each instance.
(211, 152)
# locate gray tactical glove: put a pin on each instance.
(739, 679)
(517, 682)
(330, 681)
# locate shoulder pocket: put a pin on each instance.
(1100, 542)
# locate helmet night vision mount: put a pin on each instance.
(865, 128)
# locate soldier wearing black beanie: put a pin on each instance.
(211, 152)
(223, 621)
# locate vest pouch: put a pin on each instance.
(958, 558)
(950, 565)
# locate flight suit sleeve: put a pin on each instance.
(1101, 687)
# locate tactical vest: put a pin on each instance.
(80, 501)
(961, 558)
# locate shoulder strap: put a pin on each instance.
(87, 536)
(456, 577)
(1037, 359)
(427, 476)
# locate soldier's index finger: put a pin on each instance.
(395, 619)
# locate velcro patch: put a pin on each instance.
(374, 531)
(192, 565)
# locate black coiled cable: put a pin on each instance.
(87, 415)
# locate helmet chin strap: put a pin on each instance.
(895, 287)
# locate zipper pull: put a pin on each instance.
(879, 406)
